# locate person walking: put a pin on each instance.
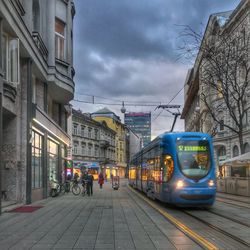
(100, 179)
(90, 184)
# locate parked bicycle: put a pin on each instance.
(65, 187)
(76, 190)
(84, 187)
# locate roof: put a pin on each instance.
(103, 111)
(240, 159)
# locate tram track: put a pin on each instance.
(241, 243)
(229, 218)
(227, 201)
(232, 199)
(218, 229)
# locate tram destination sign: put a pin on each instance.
(192, 148)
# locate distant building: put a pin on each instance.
(93, 143)
(114, 122)
(140, 123)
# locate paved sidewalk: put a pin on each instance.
(108, 220)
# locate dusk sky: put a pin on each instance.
(127, 50)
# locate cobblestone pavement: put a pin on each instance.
(110, 219)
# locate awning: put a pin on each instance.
(240, 159)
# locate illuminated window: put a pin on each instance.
(59, 39)
(37, 160)
(219, 89)
(53, 158)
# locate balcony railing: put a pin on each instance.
(40, 44)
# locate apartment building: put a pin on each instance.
(93, 143)
(36, 72)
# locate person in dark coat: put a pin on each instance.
(100, 179)
(90, 184)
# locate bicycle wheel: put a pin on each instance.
(76, 189)
(62, 189)
(83, 192)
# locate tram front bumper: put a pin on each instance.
(194, 196)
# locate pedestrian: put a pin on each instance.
(75, 178)
(85, 179)
(90, 184)
(100, 179)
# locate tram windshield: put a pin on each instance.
(193, 158)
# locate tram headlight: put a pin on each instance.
(211, 183)
(180, 184)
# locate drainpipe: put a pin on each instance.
(29, 132)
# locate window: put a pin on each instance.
(96, 134)
(90, 150)
(82, 130)
(75, 129)
(83, 148)
(59, 39)
(246, 148)
(89, 132)
(36, 15)
(219, 89)
(75, 148)
(245, 116)
(221, 125)
(10, 59)
(53, 157)
(96, 151)
(235, 151)
(37, 160)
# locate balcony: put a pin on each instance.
(9, 91)
(104, 144)
(40, 44)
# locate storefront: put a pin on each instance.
(92, 167)
(234, 175)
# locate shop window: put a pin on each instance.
(10, 59)
(37, 160)
(53, 158)
(59, 39)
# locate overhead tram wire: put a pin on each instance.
(115, 100)
(119, 104)
(169, 102)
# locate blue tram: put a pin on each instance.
(176, 168)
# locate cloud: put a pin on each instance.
(127, 50)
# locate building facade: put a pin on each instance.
(37, 75)
(113, 122)
(197, 117)
(140, 123)
(93, 143)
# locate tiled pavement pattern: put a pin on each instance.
(108, 220)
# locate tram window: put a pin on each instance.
(150, 165)
(193, 158)
(168, 167)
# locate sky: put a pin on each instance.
(126, 51)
